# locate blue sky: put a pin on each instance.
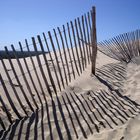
(20, 19)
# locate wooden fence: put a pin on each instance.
(123, 47)
(78, 116)
(62, 55)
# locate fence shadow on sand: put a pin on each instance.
(73, 116)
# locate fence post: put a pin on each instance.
(93, 41)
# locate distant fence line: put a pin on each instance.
(64, 56)
(123, 47)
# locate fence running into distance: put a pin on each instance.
(123, 47)
(51, 62)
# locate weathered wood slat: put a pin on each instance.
(76, 48)
(5, 109)
(83, 46)
(90, 22)
(13, 87)
(9, 100)
(30, 75)
(85, 39)
(79, 45)
(34, 67)
(56, 57)
(2, 123)
(61, 58)
(90, 19)
(88, 34)
(74, 58)
(64, 50)
(51, 59)
(94, 41)
(41, 69)
(47, 65)
(24, 77)
(68, 49)
(18, 81)
(124, 36)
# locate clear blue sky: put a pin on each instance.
(20, 19)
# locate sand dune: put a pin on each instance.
(102, 107)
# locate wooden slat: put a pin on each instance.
(89, 19)
(124, 49)
(79, 44)
(116, 47)
(137, 40)
(34, 67)
(85, 39)
(124, 37)
(56, 57)
(64, 50)
(94, 42)
(18, 81)
(5, 109)
(61, 58)
(136, 43)
(76, 48)
(108, 46)
(9, 99)
(2, 123)
(41, 69)
(30, 75)
(58, 82)
(47, 65)
(24, 77)
(74, 58)
(13, 87)
(68, 49)
(88, 34)
(106, 51)
(83, 46)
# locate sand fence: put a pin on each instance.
(41, 68)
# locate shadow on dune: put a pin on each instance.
(74, 116)
(113, 76)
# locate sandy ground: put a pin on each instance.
(116, 84)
